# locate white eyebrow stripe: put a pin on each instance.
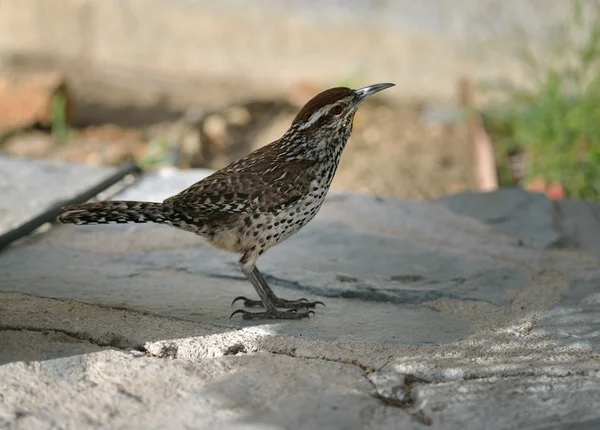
(316, 116)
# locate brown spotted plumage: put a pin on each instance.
(258, 201)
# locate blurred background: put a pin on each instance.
(489, 92)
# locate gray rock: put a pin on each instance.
(580, 224)
(513, 211)
(533, 219)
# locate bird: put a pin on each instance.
(258, 201)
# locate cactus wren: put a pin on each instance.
(258, 201)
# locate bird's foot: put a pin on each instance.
(279, 303)
(291, 314)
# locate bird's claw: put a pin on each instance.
(291, 314)
(280, 303)
(240, 298)
(239, 311)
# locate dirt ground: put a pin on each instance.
(393, 151)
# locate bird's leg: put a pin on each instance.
(271, 312)
(280, 303)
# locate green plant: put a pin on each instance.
(557, 121)
(59, 124)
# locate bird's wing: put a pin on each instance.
(268, 188)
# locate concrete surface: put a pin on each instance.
(437, 315)
(423, 46)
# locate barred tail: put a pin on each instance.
(114, 212)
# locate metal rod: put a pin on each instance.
(50, 214)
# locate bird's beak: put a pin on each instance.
(363, 93)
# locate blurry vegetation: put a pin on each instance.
(60, 126)
(160, 153)
(555, 124)
(355, 79)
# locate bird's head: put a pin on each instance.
(334, 108)
(326, 119)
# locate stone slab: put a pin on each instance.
(435, 317)
(27, 188)
(182, 277)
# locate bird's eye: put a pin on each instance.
(336, 110)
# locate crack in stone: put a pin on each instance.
(406, 403)
(170, 350)
(98, 305)
(114, 341)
